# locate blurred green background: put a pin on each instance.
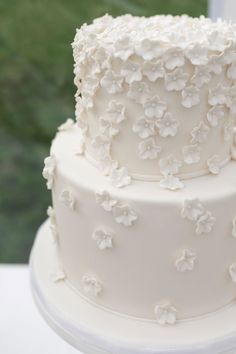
(37, 90)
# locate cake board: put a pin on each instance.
(93, 330)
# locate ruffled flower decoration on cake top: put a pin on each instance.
(91, 285)
(194, 211)
(49, 170)
(165, 313)
(186, 261)
(149, 49)
(169, 167)
(124, 215)
(68, 199)
(53, 223)
(103, 238)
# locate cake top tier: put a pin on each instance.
(159, 32)
(156, 96)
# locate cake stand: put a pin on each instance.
(93, 330)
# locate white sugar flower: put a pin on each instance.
(104, 199)
(139, 92)
(201, 76)
(200, 133)
(165, 313)
(231, 72)
(148, 149)
(149, 49)
(205, 223)
(87, 98)
(112, 82)
(232, 272)
(124, 215)
(192, 209)
(171, 182)
(91, 285)
(49, 170)
(168, 125)
(214, 164)
(190, 96)
(186, 262)
(101, 145)
(68, 199)
(116, 112)
(131, 71)
(215, 64)
(197, 54)
(191, 154)
(108, 128)
(153, 70)
(215, 114)
(217, 95)
(119, 177)
(144, 127)
(176, 80)
(154, 107)
(169, 165)
(69, 124)
(123, 48)
(228, 130)
(234, 227)
(53, 223)
(173, 58)
(106, 165)
(103, 238)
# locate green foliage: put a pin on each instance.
(36, 81)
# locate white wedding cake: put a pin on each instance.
(144, 183)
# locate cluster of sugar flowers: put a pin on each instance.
(123, 214)
(194, 211)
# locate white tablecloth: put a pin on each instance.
(22, 330)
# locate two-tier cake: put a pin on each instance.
(143, 222)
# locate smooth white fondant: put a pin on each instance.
(78, 320)
(151, 243)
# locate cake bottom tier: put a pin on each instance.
(93, 330)
(142, 251)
